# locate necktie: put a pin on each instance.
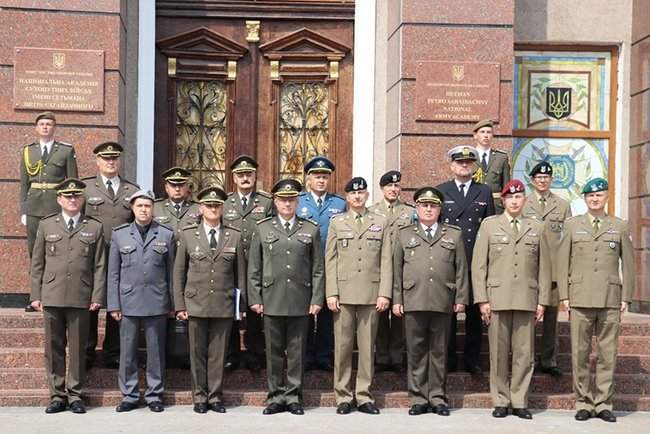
(391, 209)
(515, 226)
(177, 206)
(70, 225)
(320, 203)
(357, 220)
(213, 239)
(109, 188)
(287, 226)
(44, 154)
(542, 202)
(596, 225)
(244, 202)
(484, 161)
(428, 232)
(462, 189)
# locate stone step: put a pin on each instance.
(100, 378)
(319, 398)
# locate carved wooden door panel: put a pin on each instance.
(277, 87)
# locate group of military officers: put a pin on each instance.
(298, 268)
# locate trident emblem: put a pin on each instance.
(558, 102)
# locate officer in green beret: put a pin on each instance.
(68, 279)
(595, 246)
(178, 209)
(493, 167)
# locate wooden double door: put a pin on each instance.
(273, 81)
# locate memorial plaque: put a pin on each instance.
(57, 79)
(457, 91)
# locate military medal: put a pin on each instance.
(612, 245)
(345, 242)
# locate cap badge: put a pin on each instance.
(71, 185)
(320, 163)
(213, 194)
(177, 174)
(109, 148)
(466, 151)
(513, 189)
(394, 178)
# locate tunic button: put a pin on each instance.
(359, 259)
(212, 271)
(430, 257)
(288, 239)
(515, 276)
(70, 248)
(359, 271)
(288, 266)
(288, 280)
(469, 230)
(288, 252)
(243, 220)
(430, 279)
(211, 281)
(431, 268)
(211, 291)
(145, 273)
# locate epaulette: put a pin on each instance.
(500, 151)
(315, 223)
(122, 226)
(458, 228)
(88, 177)
(165, 226)
(338, 216)
(264, 193)
(190, 226)
(340, 197)
(573, 217)
(30, 144)
(63, 143)
(87, 217)
(401, 228)
(491, 217)
(50, 215)
(232, 228)
(126, 181)
(160, 199)
(264, 220)
(409, 204)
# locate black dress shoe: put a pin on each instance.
(274, 408)
(418, 409)
(522, 413)
(29, 308)
(582, 415)
(217, 407)
(441, 409)
(156, 406)
(77, 407)
(126, 406)
(368, 408)
(325, 366)
(344, 408)
(296, 408)
(553, 371)
(474, 370)
(201, 408)
(55, 407)
(606, 415)
(500, 412)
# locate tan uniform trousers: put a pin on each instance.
(65, 326)
(511, 331)
(362, 320)
(208, 343)
(606, 321)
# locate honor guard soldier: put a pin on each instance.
(467, 203)
(430, 282)
(178, 209)
(390, 331)
(107, 200)
(493, 165)
(243, 208)
(552, 211)
(68, 282)
(319, 205)
(285, 277)
(140, 296)
(209, 275)
(511, 274)
(594, 248)
(359, 279)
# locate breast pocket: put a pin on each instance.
(612, 244)
(271, 246)
(446, 251)
(374, 241)
(344, 240)
(498, 245)
(94, 203)
(198, 260)
(532, 245)
(160, 255)
(127, 256)
(56, 168)
(305, 243)
(87, 246)
(53, 244)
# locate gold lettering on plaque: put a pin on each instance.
(458, 72)
(171, 66)
(252, 31)
(58, 60)
(232, 70)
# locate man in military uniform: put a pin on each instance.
(243, 208)
(359, 273)
(467, 203)
(140, 296)
(594, 248)
(390, 331)
(107, 200)
(209, 299)
(493, 165)
(552, 210)
(178, 209)
(285, 276)
(430, 281)
(319, 205)
(511, 274)
(68, 282)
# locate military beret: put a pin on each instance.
(319, 164)
(463, 152)
(213, 195)
(543, 168)
(513, 186)
(243, 163)
(45, 115)
(428, 195)
(146, 194)
(176, 175)
(70, 187)
(287, 188)
(483, 123)
(356, 184)
(108, 149)
(595, 185)
(390, 177)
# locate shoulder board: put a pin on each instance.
(409, 204)
(190, 226)
(454, 226)
(411, 226)
(231, 228)
(338, 216)
(574, 217)
(129, 182)
(491, 217)
(160, 199)
(264, 220)
(264, 193)
(308, 220)
(337, 196)
(87, 217)
(88, 177)
(500, 151)
(63, 143)
(50, 215)
(30, 144)
(164, 226)
(122, 226)
(230, 194)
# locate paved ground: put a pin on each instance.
(181, 419)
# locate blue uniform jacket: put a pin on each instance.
(308, 209)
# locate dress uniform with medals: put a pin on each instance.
(466, 204)
(390, 331)
(429, 278)
(209, 268)
(110, 205)
(42, 167)
(359, 271)
(176, 215)
(493, 167)
(553, 211)
(285, 278)
(140, 266)
(320, 209)
(511, 275)
(594, 248)
(68, 277)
